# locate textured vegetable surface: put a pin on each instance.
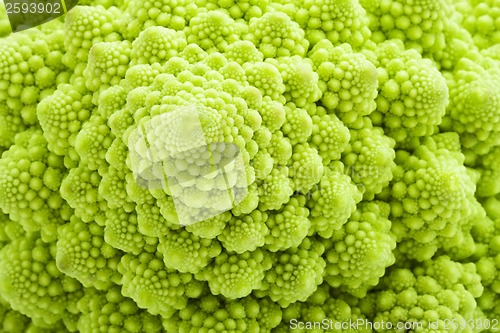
(252, 166)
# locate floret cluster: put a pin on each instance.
(369, 135)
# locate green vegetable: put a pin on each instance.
(252, 166)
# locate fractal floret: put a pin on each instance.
(251, 166)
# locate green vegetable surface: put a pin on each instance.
(252, 166)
